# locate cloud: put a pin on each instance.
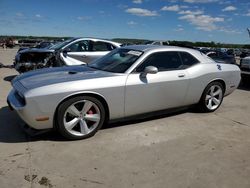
(248, 14)
(179, 29)
(230, 31)
(19, 14)
(197, 12)
(83, 18)
(141, 12)
(202, 22)
(122, 6)
(184, 6)
(132, 23)
(229, 8)
(171, 8)
(137, 1)
(38, 16)
(200, 1)
(224, 2)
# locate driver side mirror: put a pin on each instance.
(65, 51)
(149, 70)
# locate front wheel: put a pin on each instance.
(80, 117)
(212, 97)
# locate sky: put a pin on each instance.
(192, 20)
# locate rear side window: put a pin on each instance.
(162, 60)
(187, 59)
(102, 46)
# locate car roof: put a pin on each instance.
(146, 48)
(96, 39)
(154, 48)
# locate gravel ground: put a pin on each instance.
(184, 149)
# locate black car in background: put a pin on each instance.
(44, 44)
(219, 56)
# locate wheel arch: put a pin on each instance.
(214, 80)
(202, 102)
(220, 80)
(91, 94)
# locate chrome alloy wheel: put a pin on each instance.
(81, 118)
(214, 97)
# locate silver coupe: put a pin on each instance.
(129, 81)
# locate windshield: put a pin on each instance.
(117, 61)
(61, 44)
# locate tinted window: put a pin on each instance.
(162, 60)
(187, 59)
(102, 46)
(80, 46)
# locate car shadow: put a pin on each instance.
(11, 130)
(6, 66)
(9, 78)
(148, 117)
(244, 85)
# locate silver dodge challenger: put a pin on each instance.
(129, 81)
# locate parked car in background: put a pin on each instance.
(74, 51)
(161, 43)
(234, 52)
(245, 68)
(44, 44)
(221, 57)
(128, 81)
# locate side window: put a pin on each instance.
(80, 46)
(111, 47)
(163, 61)
(101, 46)
(187, 59)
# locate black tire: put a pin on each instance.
(62, 110)
(203, 106)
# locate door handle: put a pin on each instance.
(181, 75)
(84, 56)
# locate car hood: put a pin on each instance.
(49, 76)
(37, 50)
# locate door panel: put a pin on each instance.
(86, 57)
(159, 91)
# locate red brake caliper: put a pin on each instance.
(90, 112)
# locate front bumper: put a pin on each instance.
(13, 101)
(28, 112)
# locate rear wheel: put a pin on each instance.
(212, 97)
(80, 117)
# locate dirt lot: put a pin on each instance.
(185, 149)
